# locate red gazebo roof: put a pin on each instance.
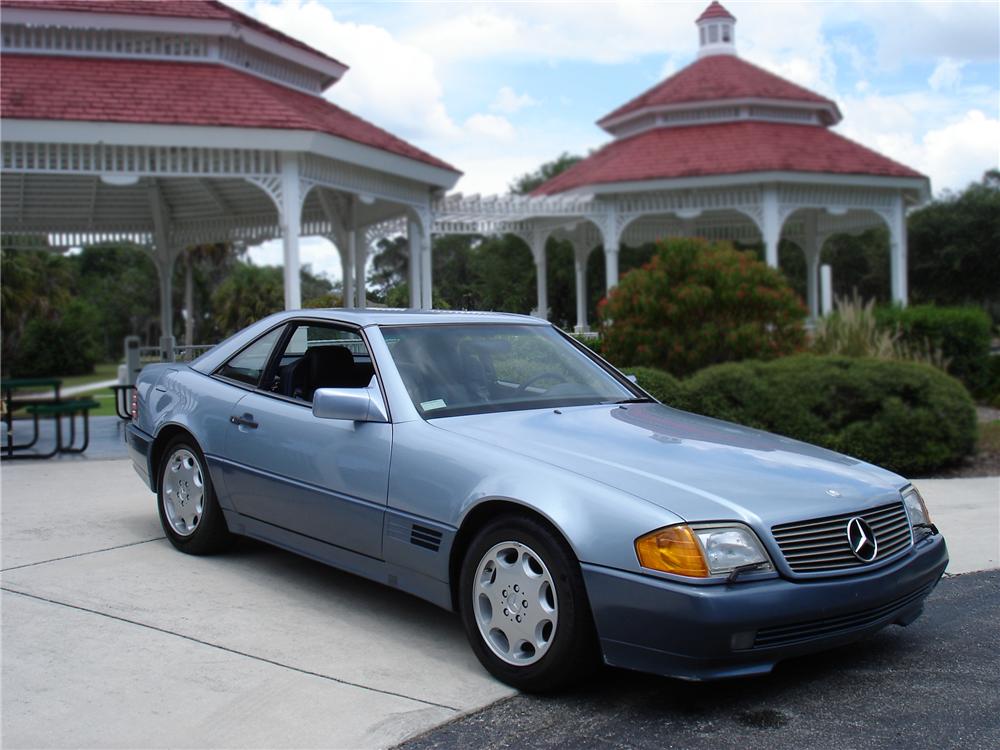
(197, 9)
(722, 149)
(714, 78)
(715, 10)
(177, 93)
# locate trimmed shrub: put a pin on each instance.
(698, 303)
(962, 334)
(905, 416)
(659, 384)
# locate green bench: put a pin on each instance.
(57, 410)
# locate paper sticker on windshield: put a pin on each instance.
(437, 403)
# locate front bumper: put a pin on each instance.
(138, 444)
(730, 630)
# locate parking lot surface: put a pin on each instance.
(111, 638)
(933, 684)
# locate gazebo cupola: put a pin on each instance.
(716, 29)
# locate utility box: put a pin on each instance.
(132, 363)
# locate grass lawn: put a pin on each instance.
(105, 397)
(102, 371)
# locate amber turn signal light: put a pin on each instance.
(672, 550)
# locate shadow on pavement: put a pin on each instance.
(932, 684)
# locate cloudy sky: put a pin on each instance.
(498, 88)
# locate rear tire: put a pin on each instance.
(189, 512)
(524, 606)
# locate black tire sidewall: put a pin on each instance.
(211, 535)
(574, 646)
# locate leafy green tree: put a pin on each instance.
(65, 343)
(953, 247)
(390, 266)
(121, 283)
(528, 182)
(251, 292)
(37, 284)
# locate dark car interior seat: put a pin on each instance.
(327, 367)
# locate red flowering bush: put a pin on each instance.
(699, 303)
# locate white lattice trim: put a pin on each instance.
(319, 170)
(176, 161)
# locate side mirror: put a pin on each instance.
(354, 404)
(632, 379)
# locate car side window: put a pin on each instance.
(248, 366)
(321, 356)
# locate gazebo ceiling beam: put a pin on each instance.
(217, 198)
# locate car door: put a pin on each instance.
(324, 478)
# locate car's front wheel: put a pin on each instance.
(524, 606)
(189, 513)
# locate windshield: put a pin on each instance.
(453, 369)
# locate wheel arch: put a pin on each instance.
(480, 515)
(164, 436)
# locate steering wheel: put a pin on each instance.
(559, 377)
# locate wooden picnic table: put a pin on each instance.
(13, 384)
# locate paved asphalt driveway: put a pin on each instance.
(934, 684)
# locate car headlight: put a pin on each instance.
(915, 508)
(701, 551)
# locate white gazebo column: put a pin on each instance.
(291, 228)
(770, 228)
(360, 261)
(580, 255)
(188, 299)
(413, 235)
(426, 270)
(163, 258)
(897, 251)
(811, 247)
(538, 241)
(611, 264)
(164, 261)
(346, 269)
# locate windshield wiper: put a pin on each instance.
(636, 400)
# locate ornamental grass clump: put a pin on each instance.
(698, 303)
(854, 330)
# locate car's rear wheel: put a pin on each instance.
(524, 606)
(189, 513)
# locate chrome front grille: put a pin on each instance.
(821, 544)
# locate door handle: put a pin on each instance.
(245, 421)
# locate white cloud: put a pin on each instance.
(509, 101)
(389, 82)
(959, 153)
(947, 75)
(492, 126)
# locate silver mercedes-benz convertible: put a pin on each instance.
(492, 465)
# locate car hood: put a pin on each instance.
(699, 468)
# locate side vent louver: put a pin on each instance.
(425, 537)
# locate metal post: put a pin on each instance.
(132, 363)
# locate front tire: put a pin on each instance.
(524, 606)
(189, 513)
